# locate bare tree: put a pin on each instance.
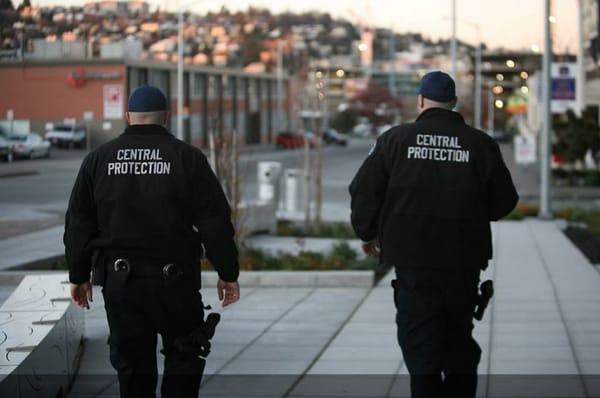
(225, 161)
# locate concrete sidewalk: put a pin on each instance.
(544, 322)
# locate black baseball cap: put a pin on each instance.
(147, 99)
(438, 86)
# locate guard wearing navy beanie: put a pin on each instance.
(144, 208)
(423, 201)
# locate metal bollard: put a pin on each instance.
(269, 174)
(293, 190)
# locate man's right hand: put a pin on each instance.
(81, 294)
(370, 248)
(229, 292)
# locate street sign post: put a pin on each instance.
(525, 149)
(564, 87)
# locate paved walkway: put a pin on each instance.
(540, 337)
(31, 247)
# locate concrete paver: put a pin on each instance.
(540, 336)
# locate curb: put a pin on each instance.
(19, 174)
(362, 279)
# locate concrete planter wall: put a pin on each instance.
(41, 335)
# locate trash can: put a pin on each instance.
(293, 190)
(269, 174)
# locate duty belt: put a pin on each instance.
(125, 265)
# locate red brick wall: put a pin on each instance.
(42, 92)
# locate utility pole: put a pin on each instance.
(545, 141)
(453, 48)
(179, 72)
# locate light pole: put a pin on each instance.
(545, 141)
(179, 71)
(453, 48)
(280, 110)
(491, 112)
(580, 89)
(478, 81)
(477, 107)
(392, 55)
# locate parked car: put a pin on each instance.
(331, 136)
(67, 135)
(383, 128)
(30, 145)
(501, 136)
(289, 140)
(6, 153)
(363, 129)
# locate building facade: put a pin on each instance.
(95, 92)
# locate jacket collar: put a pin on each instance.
(441, 113)
(146, 129)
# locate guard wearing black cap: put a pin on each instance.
(423, 200)
(144, 208)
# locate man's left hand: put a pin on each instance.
(81, 294)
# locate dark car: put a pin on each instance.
(501, 136)
(289, 140)
(6, 153)
(332, 137)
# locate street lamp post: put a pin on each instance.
(491, 112)
(392, 55)
(580, 89)
(545, 142)
(453, 48)
(477, 110)
(478, 80)
(179, 71)
(280, 109)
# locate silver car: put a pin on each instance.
(29, 145)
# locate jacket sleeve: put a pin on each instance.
(367, 192)
(212, 218)
(502, 194)
(80, 225)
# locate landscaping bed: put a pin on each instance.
(583, 226)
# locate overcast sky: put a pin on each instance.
(509, 23)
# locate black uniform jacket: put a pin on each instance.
(428, 191)
(149, 195)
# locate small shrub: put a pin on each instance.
(528, 209)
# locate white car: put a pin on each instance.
(67, 135)
(383, 128)
(30, 146)
(363, 129)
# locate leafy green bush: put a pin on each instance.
(334, 230)
(341, 257)
(589, 178)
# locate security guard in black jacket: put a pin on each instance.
(423, 200)
(144, 208)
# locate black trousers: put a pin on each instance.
(138, 310)
(435, 324)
